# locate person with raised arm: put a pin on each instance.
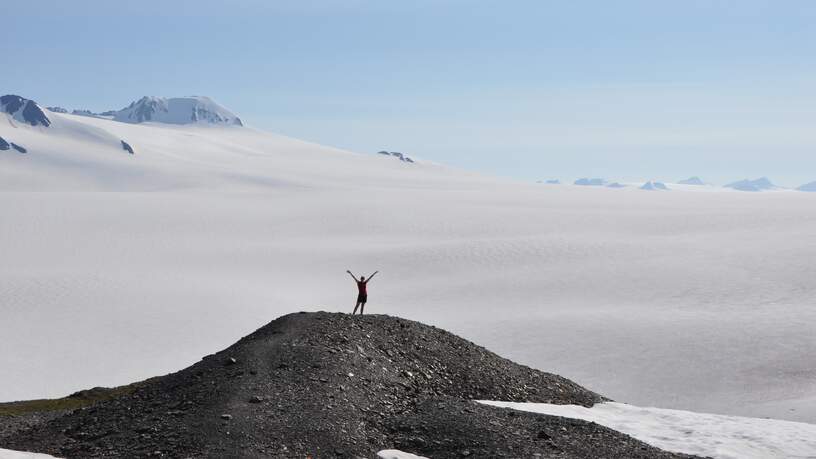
(362, 294)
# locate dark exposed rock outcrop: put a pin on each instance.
(24, 110)
(126, 146)
(397, 155)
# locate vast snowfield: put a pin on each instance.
(704, 435)
(118, 267)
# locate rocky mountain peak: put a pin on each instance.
(177, 110)
(24, 110)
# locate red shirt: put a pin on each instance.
(361, 287)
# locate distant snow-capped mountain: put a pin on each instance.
(590, 182)
(654, 186)
(84, 150)
(759, 184)
(811, 187)
(177, 110)
(24, 110)
(692, 181)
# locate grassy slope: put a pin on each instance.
(77, 400)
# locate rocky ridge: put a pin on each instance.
(24, 110)
(334, 385)
(398, 155)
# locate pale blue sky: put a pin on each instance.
(529, 89)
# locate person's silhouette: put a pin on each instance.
(362, 294)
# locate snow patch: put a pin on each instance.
(711, 435)
(11, 454)
(397, 454)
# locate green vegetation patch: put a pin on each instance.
(76, 400)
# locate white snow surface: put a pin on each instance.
(119, 267)
(701, 434)
(397, 454)
(11, 454)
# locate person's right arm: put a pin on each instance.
(352, 275)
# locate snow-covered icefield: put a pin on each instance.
(117, 267)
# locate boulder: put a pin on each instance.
(126, 146)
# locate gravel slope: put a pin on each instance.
(334, 385)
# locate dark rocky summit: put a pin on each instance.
(175, 110)
(333, 385)
(24, 110)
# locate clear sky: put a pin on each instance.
(625, 89)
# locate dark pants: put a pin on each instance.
(361, 301)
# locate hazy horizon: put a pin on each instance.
(529, 90)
